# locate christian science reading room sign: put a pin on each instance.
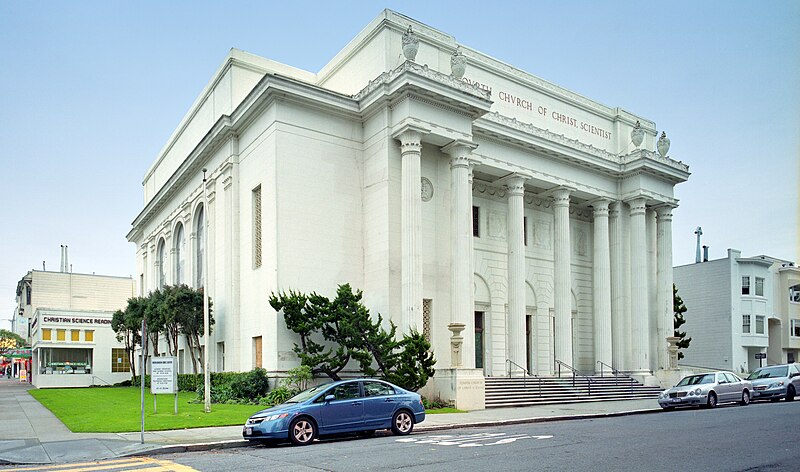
(543, 111)
(64, 319)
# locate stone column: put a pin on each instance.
(515, 325)
(563, 278)
(602, 287)
(665, 311)
(640, 333)
(617, 289)
(461, 288)
(411, 235)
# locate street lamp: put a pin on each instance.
(206, 373)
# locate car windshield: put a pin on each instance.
(307, 394)
(769, 372)
(696, 380)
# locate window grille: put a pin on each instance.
(426, 318)
(746, 324)
(746, 285)
(257, 227)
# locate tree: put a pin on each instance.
(350, 332)
(679, 308)
(127, 325)
(182, 311)
(9, 341)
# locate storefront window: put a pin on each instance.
(65, 361)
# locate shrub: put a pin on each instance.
(250, 385)
(277, 396)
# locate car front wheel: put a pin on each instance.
(712, 400)
(302, 431)
(745, 398)
(402, 423)
(790, 393)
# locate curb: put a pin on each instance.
(234, 443)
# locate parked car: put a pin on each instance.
(345, 406)
(776, 382)
(707, 390)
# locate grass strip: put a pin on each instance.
(118, 410)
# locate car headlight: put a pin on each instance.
(254, 421)
(776, 384)
(698, 391)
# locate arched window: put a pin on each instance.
(180, 253)
(200, 246)
(160, 261)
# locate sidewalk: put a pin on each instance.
(31, 434)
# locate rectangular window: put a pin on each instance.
(525, 230)
(759, 324)
(257, 352)
(746, 285)
(46, 334)
(88, 336)
(476, 222)
(61, 335)
(120, 361)
(746, 324)
(257, 227)
(759, 287)
(75, 335)
(795, 329)
(220, 357)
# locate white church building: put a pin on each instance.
(452, 188)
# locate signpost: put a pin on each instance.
(164, 378)
(761, 356)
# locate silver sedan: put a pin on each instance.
(776, 382)
(707, 390)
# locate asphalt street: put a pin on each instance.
(762, 436)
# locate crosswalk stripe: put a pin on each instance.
(138, 464)
(57, 467)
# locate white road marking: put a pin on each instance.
(472, 440)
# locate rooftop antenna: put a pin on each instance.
(62, 267)
(698, 232)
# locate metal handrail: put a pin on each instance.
(98, 378)
(525, 375)
(575, 373)
(617, 375)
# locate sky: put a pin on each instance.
(90, 92)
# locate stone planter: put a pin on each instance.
(663, 145)
(410, 44)
(458, 64)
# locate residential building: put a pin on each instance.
(743, 312)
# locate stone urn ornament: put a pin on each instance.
(410, 44)
(637, 134)
(663, 144)
(458, 64)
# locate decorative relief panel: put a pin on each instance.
(542, 234)
(497, 225)
(581, 242)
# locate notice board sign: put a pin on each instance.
(163, 375)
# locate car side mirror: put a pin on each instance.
(329, 398)
(794, 374)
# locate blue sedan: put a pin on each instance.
(345, 406)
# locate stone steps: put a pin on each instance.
(509, 392)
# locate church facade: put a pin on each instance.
(465, 197)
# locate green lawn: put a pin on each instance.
(443, 410)
(116, 410)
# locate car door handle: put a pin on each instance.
(356, 403)
(389, 400)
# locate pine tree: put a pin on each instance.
(679, 308)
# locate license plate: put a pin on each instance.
(248, 431)
(674, 400)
